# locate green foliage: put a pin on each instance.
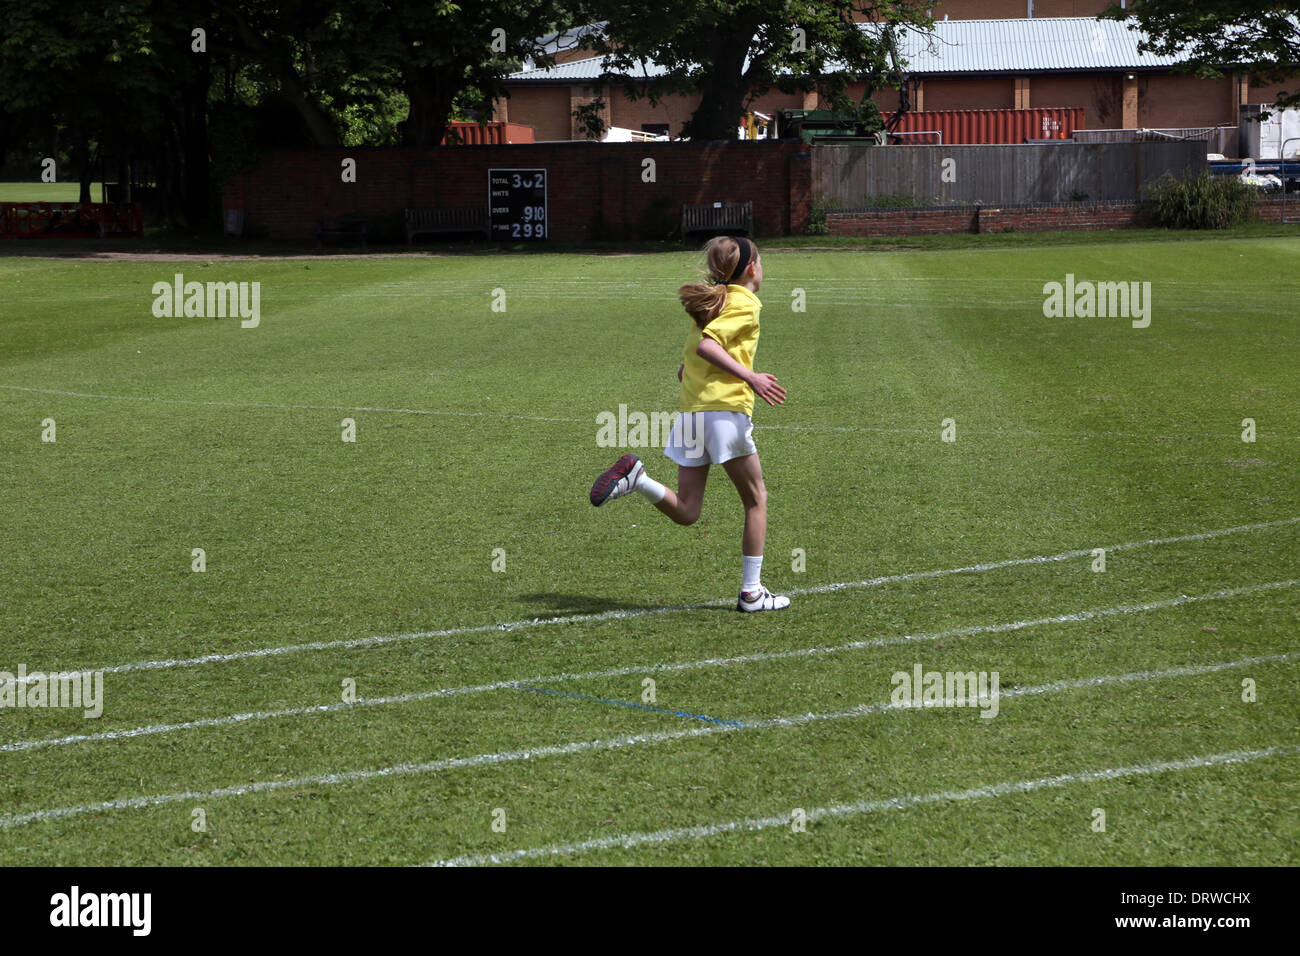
(98, 85)
(888, 201)
(730, 52)
(590, 122)
(446, 56)
(1200, 201)
(234, 146)
(376, 123)
(816, 225)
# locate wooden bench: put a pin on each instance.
(341, 228)
(447, 219)
(718, 218)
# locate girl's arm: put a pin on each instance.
(763, 383)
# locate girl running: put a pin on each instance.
(718, 388)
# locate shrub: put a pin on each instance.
(889, 201)
(817, 218)
(1200, 201)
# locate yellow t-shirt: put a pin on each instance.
(707, 388)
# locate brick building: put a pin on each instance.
(984, 54)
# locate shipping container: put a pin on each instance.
(980, 127)
(495, 134)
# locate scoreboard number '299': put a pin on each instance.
(517, 199)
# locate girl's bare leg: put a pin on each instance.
(747, 475)
(683, 506)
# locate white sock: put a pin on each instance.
(752, 572)
(653, 491)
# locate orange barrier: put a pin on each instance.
(496, 134)
(70, 220)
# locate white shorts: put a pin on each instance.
(710, 438)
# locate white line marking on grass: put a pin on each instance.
(627, 613)
(584, 746)
(415, 696)
(575, 747)
(628, 841)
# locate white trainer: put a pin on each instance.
(761, 600)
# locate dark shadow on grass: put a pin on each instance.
(563, 605)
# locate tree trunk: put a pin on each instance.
(430, 93)
(169, 169)
(723, 89)
(85, 172)
(196, 183)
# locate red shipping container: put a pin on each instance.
(472, 134)
(978, 127)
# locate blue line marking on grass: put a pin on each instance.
(626, 703)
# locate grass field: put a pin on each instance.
(518, 695)
(47, 192)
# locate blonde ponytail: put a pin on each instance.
(704, 301)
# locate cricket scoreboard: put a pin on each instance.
(517, 200)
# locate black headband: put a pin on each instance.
(740, 267)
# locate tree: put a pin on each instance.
(444, 54)
(733, 51)
(1213, 35)
(299, 47)
(133, 82)
(110, 81)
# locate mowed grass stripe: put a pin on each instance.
(717, 662)
(622, 614)
(310, 539)
(587, 746)
(973, 432)
(630, 841)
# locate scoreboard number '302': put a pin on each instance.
(517, 199)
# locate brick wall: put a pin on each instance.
(544, 107)
(980, 9)
(971, 93)
(1100, 95)
(901, 222)
(1015, 9)
(595, 191)
(1270, 210)
(988, 219)
(1168, 101)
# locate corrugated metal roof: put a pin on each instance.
(972, 46)
(563, 40)
(1025, 46)
(586, 69)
